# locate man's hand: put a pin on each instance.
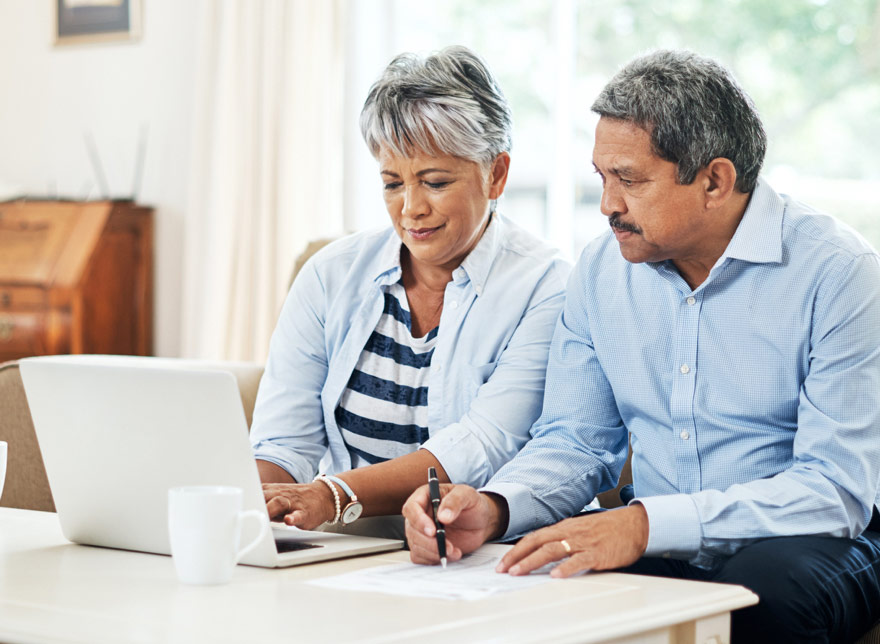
(304, 505)
(470, 519)
(598, 541)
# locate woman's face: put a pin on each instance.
(439, 205)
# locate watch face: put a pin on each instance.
(351, 512)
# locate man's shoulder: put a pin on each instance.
(808, 230)
(602, 254)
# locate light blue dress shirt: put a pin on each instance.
(487, 372)
(753, 400)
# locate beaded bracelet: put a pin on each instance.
(332, 487)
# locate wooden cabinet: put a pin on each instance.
(75, 277)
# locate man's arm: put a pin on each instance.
(579, 444)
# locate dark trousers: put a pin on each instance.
(811, 589)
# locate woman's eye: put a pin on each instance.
(394, 185)
(437, 185)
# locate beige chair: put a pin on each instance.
(26, 484)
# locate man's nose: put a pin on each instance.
(612, 201)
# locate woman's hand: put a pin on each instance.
(304, 505)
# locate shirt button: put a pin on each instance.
(685, 369)
(453, 304)
(684, 435)
(438, 368)
(691, 300)
(479, 289)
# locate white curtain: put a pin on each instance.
(266, 172)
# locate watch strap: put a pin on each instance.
(345, 487)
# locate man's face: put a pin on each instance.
(653, 217)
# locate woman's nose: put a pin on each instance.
(414, 202)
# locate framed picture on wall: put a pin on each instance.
(79, 21)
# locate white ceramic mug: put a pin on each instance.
(204, 525)
(3, 450)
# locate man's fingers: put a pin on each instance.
(415, 511)
(538, 558)
(423, 550)
(455, 499)
(572, 566)
(524, 548)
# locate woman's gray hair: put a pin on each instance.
(694, 110)
(447, 103)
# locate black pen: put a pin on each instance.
(434, 490)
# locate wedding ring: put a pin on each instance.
(566, 546)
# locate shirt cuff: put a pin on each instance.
(673, 526)
(522, 516)
(461, 454)
(295, 465)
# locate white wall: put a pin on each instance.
(51, 96)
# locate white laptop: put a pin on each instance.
(116, 432)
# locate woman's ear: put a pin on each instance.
(720, 181)
(498, 175)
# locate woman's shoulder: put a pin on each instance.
(354, 249)
(519, 246)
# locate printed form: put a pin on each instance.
(473, 577)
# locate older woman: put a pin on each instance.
(421, 345)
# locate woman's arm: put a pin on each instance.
(288, 430)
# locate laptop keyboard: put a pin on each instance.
(290, 546)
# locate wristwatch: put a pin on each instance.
(354, 509)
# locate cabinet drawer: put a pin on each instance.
(22, 333)
(20, 298)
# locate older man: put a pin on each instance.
(734, 335)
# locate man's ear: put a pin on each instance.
(720, 181)
(498, 175)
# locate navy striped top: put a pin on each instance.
(383, 412)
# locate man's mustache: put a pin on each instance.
(615, 222)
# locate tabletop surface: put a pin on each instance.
(54, 591)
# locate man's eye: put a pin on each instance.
(601, 176)
(627, 182)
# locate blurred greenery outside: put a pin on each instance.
(811, 66)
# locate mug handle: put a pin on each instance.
(264, 528)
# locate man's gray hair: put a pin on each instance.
(694, 110)
(447, 103)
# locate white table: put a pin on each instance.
(55, 591)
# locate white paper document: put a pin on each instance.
(473, 577)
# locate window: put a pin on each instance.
(812, 68)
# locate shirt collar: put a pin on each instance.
(475, 266)
(758, 238)
(478, 262)
(388, 261)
